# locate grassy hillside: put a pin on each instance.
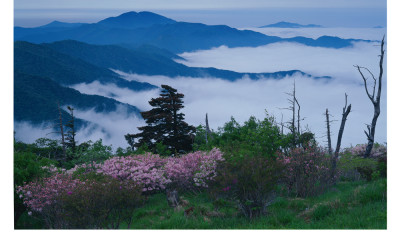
(349, 205)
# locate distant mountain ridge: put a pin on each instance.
(135, 29)
(36, 100)
(41, 79)
(46, 62)
(134, 20)
(142, 61)
(44, 72)
(290, 25)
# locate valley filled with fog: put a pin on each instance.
(223, 99)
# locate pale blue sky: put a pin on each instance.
(203, 4)
(249, 13)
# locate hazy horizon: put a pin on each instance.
(237, 18)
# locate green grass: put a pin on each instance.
(348, 205)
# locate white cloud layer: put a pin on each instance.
(26, 132)
(110, 127)
(222, 99)
(346, 33)
(274, 57)
(139, 99)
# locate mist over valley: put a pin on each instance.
(109, 70)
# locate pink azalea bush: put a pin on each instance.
(378, 150)
(194, 169)
(146, 170)
(154, 172)
(63, 201)
(307, 171)
(42, 195)
(93, 189)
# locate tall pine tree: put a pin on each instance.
(164, 124)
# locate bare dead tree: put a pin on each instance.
(292, 108)
(328, 133)
(208, 131)
(291, 125)
(346, 112)
(298, 116)
(374, 99)
(62, 133)
(71, 133)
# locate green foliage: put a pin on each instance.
(308, 171)
(258, 136)
(162, 150)
(321, 212)
(164, 125)
(28, 167)
(353, 167)
(347, 167)
(248, 179)
(367, 167)
(97, 204)
(344, 207)
(382, 166)
(89, 152)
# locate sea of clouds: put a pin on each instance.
(243, 98)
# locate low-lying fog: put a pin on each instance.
(222, 99)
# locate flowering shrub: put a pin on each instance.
(64, 202)
(155, 173)
(249, 180)
(353, 166)
(194, 169)
(307, 171)
(41, 195)
(378, 150)
(146, 170)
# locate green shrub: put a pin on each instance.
(100, 204)
(346, 167)
(89, 152)
(261, 136)
(352, 168)
(307, 171)
(367, 168)
(27, 167)
(382, 166)
(249, 179)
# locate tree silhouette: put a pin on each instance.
(376, 100)
(164, 124)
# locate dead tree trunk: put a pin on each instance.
(375, 100)
(294, 114)
(292, 108)
(62, 133)
(298, 116)
(208, 131)
(346, 112)
(328, 134)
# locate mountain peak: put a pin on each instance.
(58, 24)
(132, 20)
(290, 25)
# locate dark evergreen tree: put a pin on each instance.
(164, 124)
